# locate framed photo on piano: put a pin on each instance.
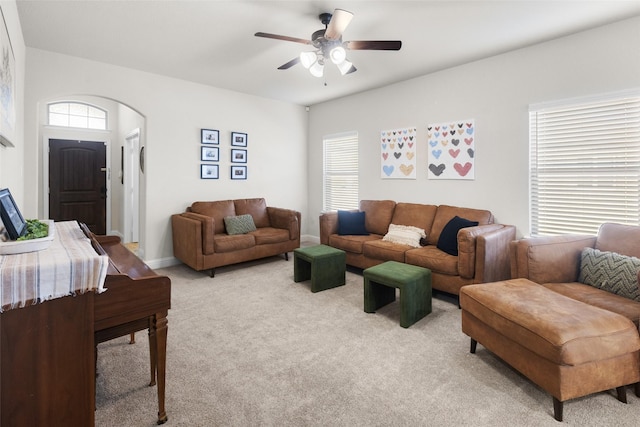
(11, 217)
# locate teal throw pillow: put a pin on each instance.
(240, 224)
(611, 272)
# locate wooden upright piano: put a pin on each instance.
(136, 299)
(48, 349)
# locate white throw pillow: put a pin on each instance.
(405, 234)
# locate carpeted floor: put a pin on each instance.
(252, 348)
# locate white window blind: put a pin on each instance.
(340, 174)
(585, 165)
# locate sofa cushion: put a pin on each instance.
(619, 238)
(240, 224)
(257, 208)
(226, 243)
(383, 250)
(434, 259)
(598, 298)
(218, 210)
(448, 241)
(611, 272)
(352, 223)
(378, 215)
(404, 234)
(351, 244)
(269, 235)
(445, 213)
(414, 214)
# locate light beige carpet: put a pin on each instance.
(252, 348)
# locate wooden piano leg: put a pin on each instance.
(153, 351)
(161, 349)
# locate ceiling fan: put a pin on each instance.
(328, 45)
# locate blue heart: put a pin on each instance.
(436, 153)
(433, 143)
(470, 131)
(437, 134)
(388, 170)
(384, 146)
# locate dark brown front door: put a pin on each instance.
(78, 183)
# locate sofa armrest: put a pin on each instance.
(481, 245)
(204, 230)
(551, 259)
(286, 219)
(492, 254)
(328, 226)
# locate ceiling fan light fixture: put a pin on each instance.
(308, 58)
(317, 69)
(344, 67)
(338, 55)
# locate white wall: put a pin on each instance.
(496, 92)
(12, 164)
(175, 111)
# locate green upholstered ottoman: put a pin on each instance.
(381, 281)
(324, 265)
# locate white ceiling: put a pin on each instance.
(212, 41)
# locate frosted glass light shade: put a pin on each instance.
(344, 67)
(317, 70)
(338, 55)
(308, 58)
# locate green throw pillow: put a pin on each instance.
(611, 272)
(240, 224)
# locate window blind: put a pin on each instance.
(340, 172)
(585, 165)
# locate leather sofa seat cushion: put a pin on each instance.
(268, 235)
(434, 259)
(378, 214)
(384, 250)
(217, 210)
(351, 244)
(415, 215)
(557, 328)
(257, 208)
(225, 243)
(445, 213)
(599, 298)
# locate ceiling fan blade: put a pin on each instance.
(289, 64)
(339, 22)
(285, 38)
(373, 44)
(353, 69)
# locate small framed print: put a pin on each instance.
(210, 136)
(239, 139)
(238, 156)
(238, 172)
(210, 154)
(209, 171)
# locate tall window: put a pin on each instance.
(585, 164)
(77, 115)
(340, 176)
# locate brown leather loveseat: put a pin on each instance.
(202, 238)
(481, 252)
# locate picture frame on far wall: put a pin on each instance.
(239, 139)
(209, 171)
(7, 87)
(209, 136)
(209, 154)
(238, 172)
(238, 156)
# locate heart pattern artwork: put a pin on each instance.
(451, 150)
(398, 153)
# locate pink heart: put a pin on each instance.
(468, 140)
(454, 153)
(385, 155)
(462, 170)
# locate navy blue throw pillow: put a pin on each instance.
(350, 222)
(448, 240)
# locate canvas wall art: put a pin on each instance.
(452, 150)
(398, 151)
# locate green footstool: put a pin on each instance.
(324, 265)
(381, 281)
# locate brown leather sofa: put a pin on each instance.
(554, 262)
(483, 250)
(200, 239)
